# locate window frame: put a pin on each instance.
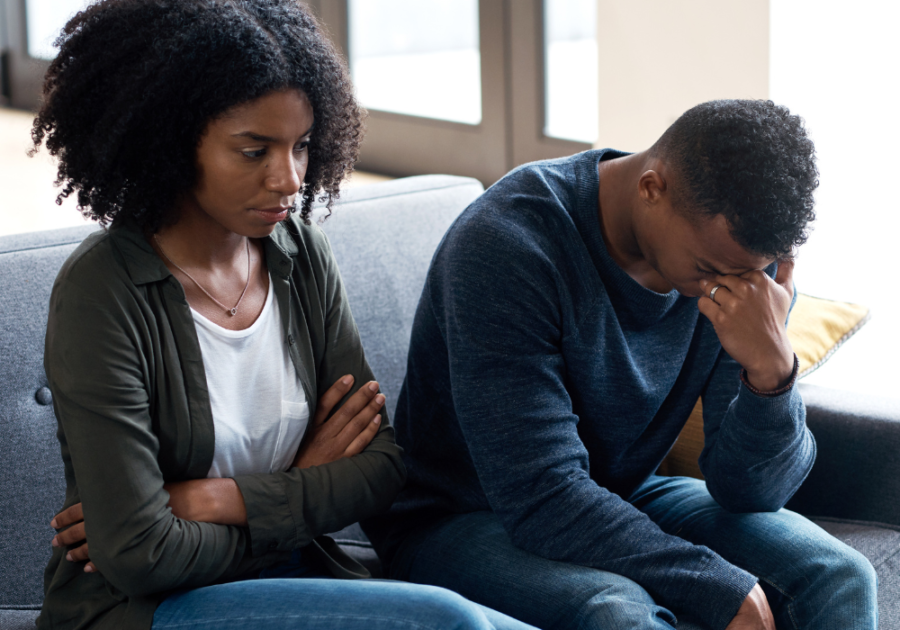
(513, 104)
(510, 133)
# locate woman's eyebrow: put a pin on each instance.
(261, 138)
(254, 136)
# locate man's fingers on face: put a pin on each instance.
(71, 536)
(67, 517)
(756, 277)
(732, 284)
(79, 554)
(332, 397)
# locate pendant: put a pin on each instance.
(233, 311)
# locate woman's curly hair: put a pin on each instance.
(751, 161)
(136, 83)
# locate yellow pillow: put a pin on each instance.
(816, 328)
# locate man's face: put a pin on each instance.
(685, 251)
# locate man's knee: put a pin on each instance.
(850, 574)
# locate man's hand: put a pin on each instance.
(73, 519)
(346, 433)
(754, 613)
(748, 315)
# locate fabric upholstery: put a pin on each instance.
(383, 238)
(31, 473)
(857, 470)
(12, 619)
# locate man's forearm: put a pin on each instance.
(760, 454)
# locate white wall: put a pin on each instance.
(836, 64)
(658, 58)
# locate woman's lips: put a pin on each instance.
(273, 215)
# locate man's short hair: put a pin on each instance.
(749, 160)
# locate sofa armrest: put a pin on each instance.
(857, 470)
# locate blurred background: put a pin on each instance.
(476, 87)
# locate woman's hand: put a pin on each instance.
(73, 519)
(346, 433)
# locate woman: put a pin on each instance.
(196, 348)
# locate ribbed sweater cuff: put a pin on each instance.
(718, 593)
(767, 413)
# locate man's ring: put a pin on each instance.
(712, 292)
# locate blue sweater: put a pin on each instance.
(546, 385)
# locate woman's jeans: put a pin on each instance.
(296, 597)
(811, 580)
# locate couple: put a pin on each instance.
(217, 415)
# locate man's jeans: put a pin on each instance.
(293, 596)
(811, 580)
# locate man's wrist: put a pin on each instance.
(771, 386)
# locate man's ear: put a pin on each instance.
(652, 187)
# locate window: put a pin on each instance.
(459, 86)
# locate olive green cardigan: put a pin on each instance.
(130, 395)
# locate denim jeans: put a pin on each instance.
(294, 595)
(811, 580)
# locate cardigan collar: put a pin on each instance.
(144, 266)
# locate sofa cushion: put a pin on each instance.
(31, 471)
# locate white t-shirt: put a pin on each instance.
(259, 409)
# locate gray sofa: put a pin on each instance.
(383, 236)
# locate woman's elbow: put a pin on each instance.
(134, 576)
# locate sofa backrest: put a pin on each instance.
(31, 472)
(383, 237)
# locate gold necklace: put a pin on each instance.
(231, 311)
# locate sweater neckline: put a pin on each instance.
(643, 306)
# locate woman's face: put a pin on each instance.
(251, 163)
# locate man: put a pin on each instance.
(571, 319)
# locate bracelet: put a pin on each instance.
(780, 390)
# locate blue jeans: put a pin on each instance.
(296, 595)
(811, 580)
